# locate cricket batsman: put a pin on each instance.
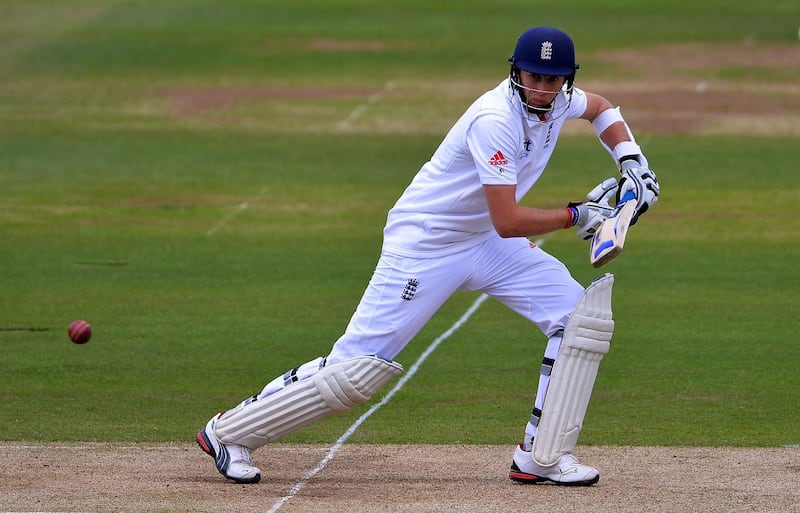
(459, 226)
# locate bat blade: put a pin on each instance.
(609, 239)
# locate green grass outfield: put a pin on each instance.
(215, 242)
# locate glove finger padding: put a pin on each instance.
(604, 191)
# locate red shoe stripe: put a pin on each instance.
(521, 476)
(202, 443)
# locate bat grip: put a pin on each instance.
(628, 196)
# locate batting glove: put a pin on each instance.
(642, 182)
(604, 191)
(588, 216)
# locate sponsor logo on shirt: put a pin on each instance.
(498, 159)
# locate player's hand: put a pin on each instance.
(604, 191)
(642, 182)
(588, 216)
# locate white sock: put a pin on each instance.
(302, 372)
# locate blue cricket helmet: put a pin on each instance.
(545, 51)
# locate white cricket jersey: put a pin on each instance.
(444, 209)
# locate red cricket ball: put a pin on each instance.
(80, 332)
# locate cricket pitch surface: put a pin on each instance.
(98, 477)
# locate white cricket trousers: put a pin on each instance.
(404, 293)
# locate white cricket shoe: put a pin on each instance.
(566, 471)
(233, 461)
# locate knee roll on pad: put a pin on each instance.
(337, 387)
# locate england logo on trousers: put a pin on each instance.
(410, 289)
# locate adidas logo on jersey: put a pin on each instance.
(498, 159)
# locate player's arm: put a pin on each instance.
(513, 220)
(615, 135)
(611, 133)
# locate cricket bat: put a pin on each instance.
(609, 239)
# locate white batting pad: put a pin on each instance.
(335, 388)
(587, 337)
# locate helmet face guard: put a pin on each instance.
(543, 51)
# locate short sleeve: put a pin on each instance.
(578, 104)
(493, 143)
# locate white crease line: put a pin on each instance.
(352, 429)
(229, 217)
(225, 220)
(347, 122)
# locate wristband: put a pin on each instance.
(627, 149)
(572, 218)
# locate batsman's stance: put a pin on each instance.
(458, 227)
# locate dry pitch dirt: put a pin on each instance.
(400, 479)
(659, 96)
